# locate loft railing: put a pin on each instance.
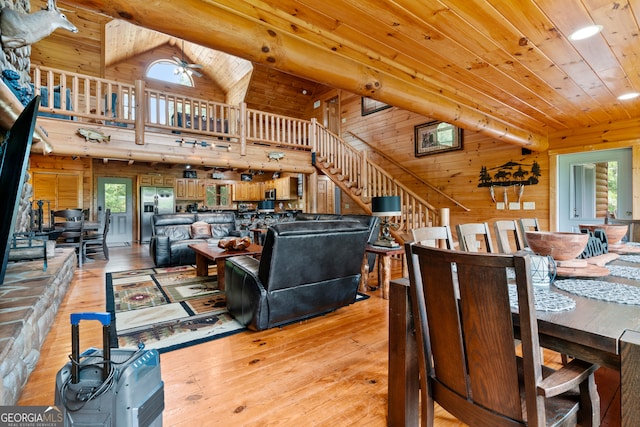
(81, 98)
(88, 99)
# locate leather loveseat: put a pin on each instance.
(307, 268)
(173, 233)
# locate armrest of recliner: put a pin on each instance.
(245, 294)
(160, 250)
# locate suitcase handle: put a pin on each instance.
(105, 319)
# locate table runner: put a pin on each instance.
(545, 299)
(624, 271)
(602, 290)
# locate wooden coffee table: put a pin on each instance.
(206, 253)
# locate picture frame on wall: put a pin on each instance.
(437, 137)
(370, 106)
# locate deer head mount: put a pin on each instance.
(22, 29)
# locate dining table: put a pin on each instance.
(604, 332)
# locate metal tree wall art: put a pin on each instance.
(510, 174)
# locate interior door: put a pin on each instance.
(325, 195)
(332, 115)
(592, 186)
(116, 194)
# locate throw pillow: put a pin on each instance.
(200, 230)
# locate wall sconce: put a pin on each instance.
(385, 207)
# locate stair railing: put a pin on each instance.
(353, 171)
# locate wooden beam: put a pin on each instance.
(224, 28)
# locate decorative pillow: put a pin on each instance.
(200, 230)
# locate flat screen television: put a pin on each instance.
(14, 158)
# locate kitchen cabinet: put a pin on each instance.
(190, 189)
(286, 188)
(217, 195)
(156, 181)
(248, 192)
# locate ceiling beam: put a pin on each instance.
(223, 28)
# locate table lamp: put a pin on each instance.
(385, 207)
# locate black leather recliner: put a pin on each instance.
(373, 222)
(307, 268)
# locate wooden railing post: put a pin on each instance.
(141, 111)
(313, 134)
(243, 129)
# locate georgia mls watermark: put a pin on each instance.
(31, 416)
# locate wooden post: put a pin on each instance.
(141, 111)
(243, 129)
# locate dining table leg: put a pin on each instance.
(629, 378)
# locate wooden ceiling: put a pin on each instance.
(502, 67)
(124, 41)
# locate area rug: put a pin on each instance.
(167, 308)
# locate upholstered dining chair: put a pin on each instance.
(96, 241)
(508, 232)
(433, 236)
(468, 235)
(465, 333)
(71, 222)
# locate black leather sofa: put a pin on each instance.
(173, 233)
(307, 268)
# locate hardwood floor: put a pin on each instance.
(328, 371)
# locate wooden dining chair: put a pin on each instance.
(465, 332)
(508, 236)
(71, 222)
(474, 237)
(96, 241)
(527, 224)
(433, 236)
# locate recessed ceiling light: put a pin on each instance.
(585, 32)
(627, 96)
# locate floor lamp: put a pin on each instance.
(385, 207)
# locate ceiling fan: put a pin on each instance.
(185, 67)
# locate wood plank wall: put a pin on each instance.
(455, 173)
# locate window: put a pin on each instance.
(168, 71)
(115, 197)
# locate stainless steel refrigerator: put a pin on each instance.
(154, 200)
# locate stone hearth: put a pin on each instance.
(29, 301)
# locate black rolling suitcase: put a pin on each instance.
(109, 387)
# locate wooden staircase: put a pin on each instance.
(363, 179)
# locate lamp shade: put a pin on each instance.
(266, 206)
(386, 206)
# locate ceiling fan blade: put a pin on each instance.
(195, 66)
(196, 73)
(178, 61)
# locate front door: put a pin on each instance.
(116, 194)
